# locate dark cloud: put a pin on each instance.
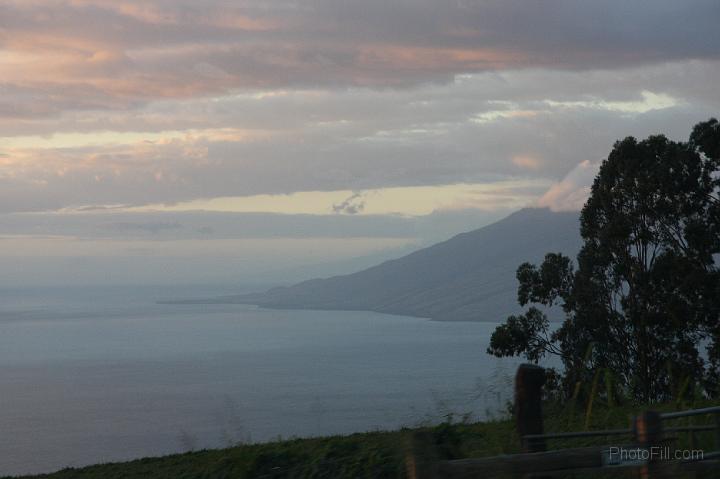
(353, 205)
(144, 228)
(85, 209)
(228, 226)
(99, 54)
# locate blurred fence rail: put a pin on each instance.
(647, 453)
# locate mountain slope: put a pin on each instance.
(468, 277)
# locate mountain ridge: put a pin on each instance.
(470, 276)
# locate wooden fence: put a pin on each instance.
(647, 451)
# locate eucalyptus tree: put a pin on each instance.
(642, 301)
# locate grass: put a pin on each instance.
(374, 454)
(366, 455)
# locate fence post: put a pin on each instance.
(528, 405)
(649, 435)
(422, 459)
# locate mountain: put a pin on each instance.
(468, 277)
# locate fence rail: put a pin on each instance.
(615, 432)
(691, 412)
(649, 440)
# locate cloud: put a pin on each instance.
(232, 248)
(147, 227)
(650, 101)
(184, 101)
(97, 54)
(571, 193)
(90, 208)
(352, 205)
(204, 225)
(338, 141)
(527, 162)
(469, 108)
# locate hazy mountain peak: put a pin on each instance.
(470, 276)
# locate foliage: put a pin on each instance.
(367, 455)
(374, 454)
(644, 299)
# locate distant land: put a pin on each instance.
(470, 277)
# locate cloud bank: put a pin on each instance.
(355, 109)
(137, 102)
(92, 54)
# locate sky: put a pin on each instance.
(265, 141)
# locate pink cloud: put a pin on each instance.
(142, 50)
(527, 162)
(571, 192)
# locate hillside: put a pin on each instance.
(468, 277)
(379, 454)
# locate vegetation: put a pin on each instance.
(373, 454)
(642, 307)
(366, 455)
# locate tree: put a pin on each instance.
(644, 301)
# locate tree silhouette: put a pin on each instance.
(644, 300)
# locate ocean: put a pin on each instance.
(103, 374)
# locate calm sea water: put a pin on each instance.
(97, 374)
